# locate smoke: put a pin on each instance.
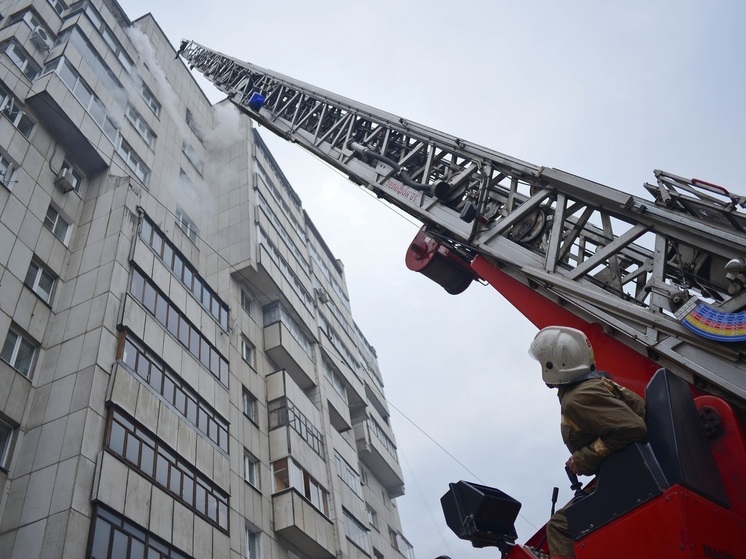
(168, 97)
(226, 129)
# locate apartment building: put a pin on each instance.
(180, 372)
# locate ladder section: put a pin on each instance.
(665, 275)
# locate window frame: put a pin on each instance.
(250, 405)
(248, 352)
(187, 225)
(34, 283)
(7, 438)
(12, 359)
(55, 222)
(253, 542)
(251, 470)
(8, 170)
(22, 59)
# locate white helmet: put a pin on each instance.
(565, 354)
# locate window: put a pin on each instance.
(133, 160)
(144, 291)
(249, 405)
(6, 440)
(58, 5)
(7, 172)
(142, 362)
(150, 100)
(348, 474)
(184, 271)
(18, 352)
(253, 543)
(247, 351)
(251, 469)
(22, 59)
(274, 312)
(57, 225)
(287, 473)
(356, 532)
(193, 156)
(137, 120)
(40, 280)
(143, 451)
(11, 109)
(283, 412)
(372, 517)
(186, 225)
(245, 302)
(113, 535)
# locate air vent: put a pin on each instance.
(66, 180)
(40, 38)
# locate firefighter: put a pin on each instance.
(599, 416)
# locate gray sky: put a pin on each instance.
(606, 90)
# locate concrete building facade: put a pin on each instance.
(180, 372)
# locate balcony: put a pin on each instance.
(288, 354)
(75, 129)
(380, 456)
(301, 524)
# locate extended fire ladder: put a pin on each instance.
(665, 276)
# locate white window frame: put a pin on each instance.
(9, 354)
(251, 469)
(247, 351)
(58, 5)
(22, 60)
(150, 100)
(186, 225)
(34, 276)
(253, 543)
(145, 131)
(53, 220)
(7, 434)
(7, 172)
(250, 405)
(245, 302)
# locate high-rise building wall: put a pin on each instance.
(180, 372)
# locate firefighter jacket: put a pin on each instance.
(599, 417)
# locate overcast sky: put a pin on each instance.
(606, 90)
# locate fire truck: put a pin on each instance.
(658, 285)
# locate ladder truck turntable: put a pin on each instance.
(658, 285)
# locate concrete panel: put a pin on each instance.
(93, 435)
(50, 443)
(73, 438)
(84, 485)
(83, 385)
(60, 397)
(202, 538)
(64, 483)
(161, 514)
(76, 539)
(69, 359)
(183, 528)
(111, 488)
(137, 501)
(124, 392)
(29, 540)
(38, 495)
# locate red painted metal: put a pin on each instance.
(677, 524)
(729, 448)
(626, 366)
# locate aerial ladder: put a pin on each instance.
(658, 285)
